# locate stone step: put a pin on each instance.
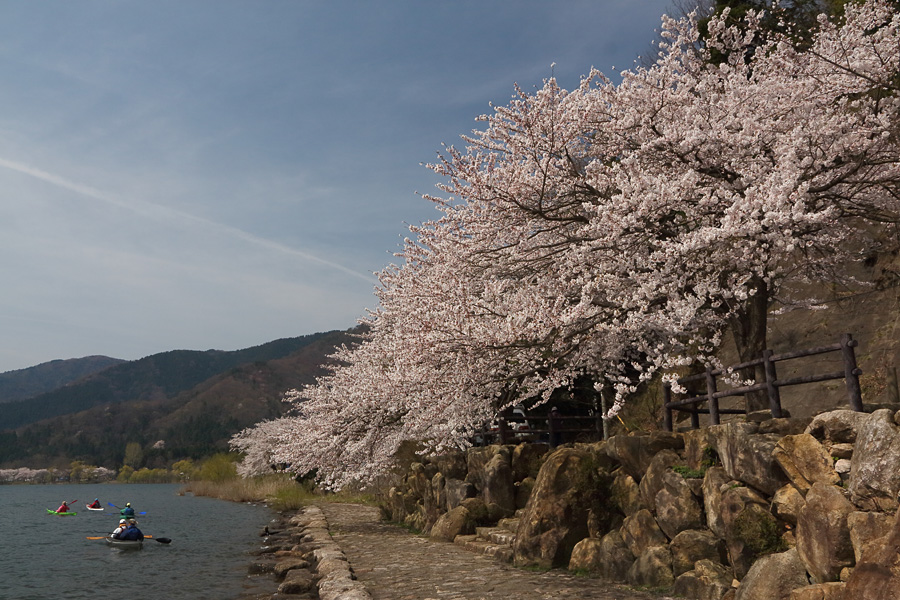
(473, 544)
(509, 524)
(495, 535)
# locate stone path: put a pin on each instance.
(396, 565)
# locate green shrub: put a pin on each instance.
(218, 468)
(759, 531)
(689, 473)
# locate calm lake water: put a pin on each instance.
(45, 556)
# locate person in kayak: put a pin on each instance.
(128, 512)
(131, 532)
(123, 525)
(95, 503)
(63, 508)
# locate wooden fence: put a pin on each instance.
(544, 428)
(771, 385)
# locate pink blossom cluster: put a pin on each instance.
(614, 231)
(25, 475)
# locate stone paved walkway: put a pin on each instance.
(397, 565)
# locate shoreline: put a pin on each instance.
(299, 559)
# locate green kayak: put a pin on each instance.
(65, 514)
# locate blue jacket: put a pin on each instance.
(132, 533)
(127, 512)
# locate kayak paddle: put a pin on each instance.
(161, 540)
(114, 506)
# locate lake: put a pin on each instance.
(47, 556)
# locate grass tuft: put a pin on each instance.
(279, 491)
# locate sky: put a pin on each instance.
(218, 174)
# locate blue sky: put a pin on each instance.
(218, 174)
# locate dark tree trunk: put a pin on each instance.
(748, 327)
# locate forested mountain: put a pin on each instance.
(154, 377)
(45, 377)
(175, 405)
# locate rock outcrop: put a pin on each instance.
(786, 509)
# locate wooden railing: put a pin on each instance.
(771, 385)
(552, 430)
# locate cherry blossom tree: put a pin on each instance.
(614, 231)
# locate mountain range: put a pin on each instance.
(177, 404)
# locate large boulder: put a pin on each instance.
(750, 529)
(497, 483)
(418, 479)
(787, 502)
(635, 451)
(833, 590)
(625, 494)
(452, 464)
(607, 557)
(877, 574)
(401, 503)
(556, 516)
(867, 529)
(696, 448)
(478, 458)
(747, 455)
(653, 568)
(458, 521)
(694, 545)
(715, 482)
(837, 426)
(419, 482)
(823, 536)
(805, 461)
(708, 580)
(874, 476)
(784, 426)
(455, 491)
(527, 460)
(677, 508)
(772, 577)
(523, 492)
(615, 556)
(439, 490)
(652, 481)
(586, 556)
(640, 531)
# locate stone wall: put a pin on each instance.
(793, 509)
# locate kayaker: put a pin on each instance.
(131, 532)
(123, 525)
(128, 512)
(95, 503)
(63, 508)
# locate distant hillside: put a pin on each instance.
(190, 424)
(45, 377)
(155, 377)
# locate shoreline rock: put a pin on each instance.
(304, 561)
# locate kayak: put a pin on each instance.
(124, 544)
(65, 514)
(100, 508)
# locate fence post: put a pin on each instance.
(667, 412)
(711, 398)
(851, 372)
(771, 388)
(501, 425)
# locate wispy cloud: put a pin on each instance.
(157, 211)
